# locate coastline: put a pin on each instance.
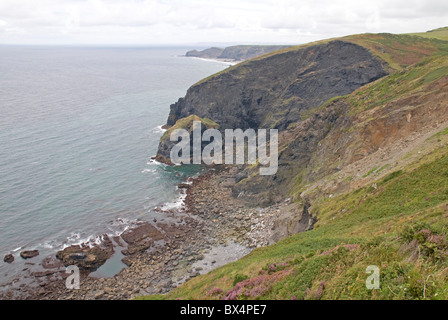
(210, 230)
(229, 62)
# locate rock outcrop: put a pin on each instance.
(87, 258)
(9, 258)
(234, 53)
(279, 89)
(165, 145)
(210, 53)
(321, 97)
(28, 254)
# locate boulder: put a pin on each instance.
(28, 254)
(9, 258)
(86, 258)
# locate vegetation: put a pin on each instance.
(441, 34)
(187, 124)
(400, 225)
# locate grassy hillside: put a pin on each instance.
(397, 220)
(441, 33)
(401, 227)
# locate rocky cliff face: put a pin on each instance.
(339, 146)
(276, 90)
(210, 53)
(340, 114)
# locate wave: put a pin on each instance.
(158, 129)
(115, 228)
(224, 62)
(154, 162)
(177, 204)
(147, 170)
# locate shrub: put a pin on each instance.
(239, 278)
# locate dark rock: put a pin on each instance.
(9, 258)
(276, 89)
(279, 91)
(28, 254)
(87, 258)
(78, 256)
(141, 238)
(44, 273)
(51, 262)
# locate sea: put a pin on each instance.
(78, 128)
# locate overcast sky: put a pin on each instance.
(155, 22)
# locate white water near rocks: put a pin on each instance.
(77, 131)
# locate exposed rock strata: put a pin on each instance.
(277, 90)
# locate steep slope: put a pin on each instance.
(373, 164)
(398, 226)
(283, 89)
(349, 136)
(274, 90)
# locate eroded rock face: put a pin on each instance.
(297, 146)
(292, 219)
(332, 139)
(274, 91)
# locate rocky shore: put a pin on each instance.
(212, 229)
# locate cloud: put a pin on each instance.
(182, 21)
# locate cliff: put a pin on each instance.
(276, 90)
(367, 160)
(210, 53)
(234, 53)
(308, 93)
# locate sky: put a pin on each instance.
(207, 22)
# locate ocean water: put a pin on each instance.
(77, 129)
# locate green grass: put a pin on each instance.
(438, 135)
(397, 50)
(370, 172)
(436, 74)
(379, 226)
(370, 223)
(187, 124)
(441, 34)
(409, 81)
